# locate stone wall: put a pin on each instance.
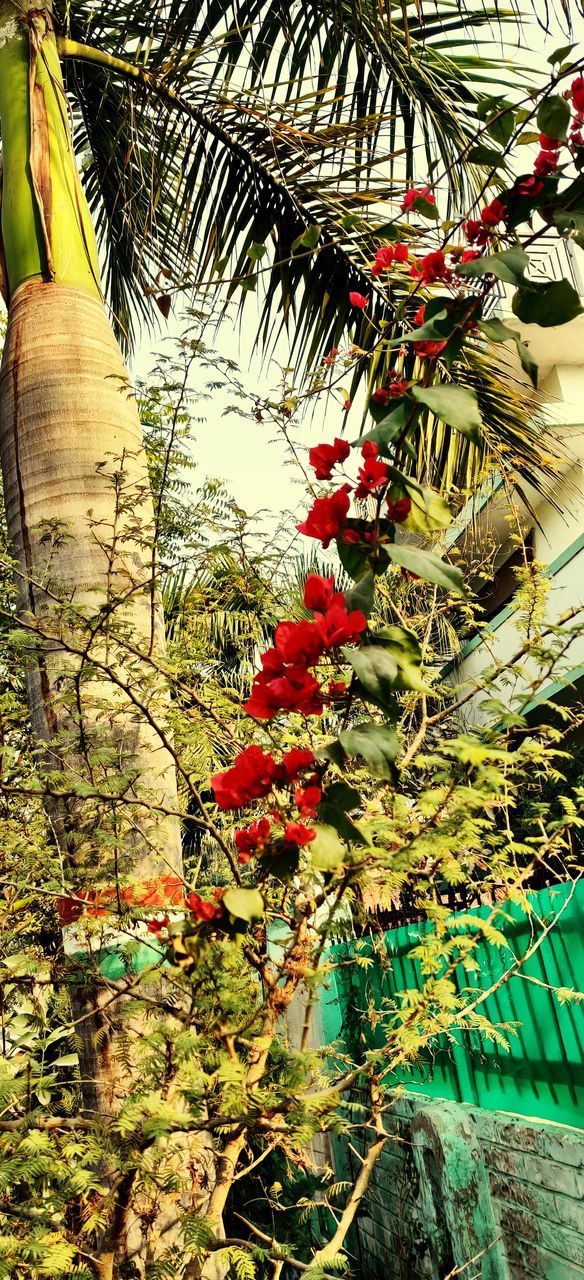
(497, 1195)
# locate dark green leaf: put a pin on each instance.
(342, 796)
(560, 54)
(354, 559)
(553, 116)
(501, 127)
(510, 266)
(426, 209)
(551, 304)
(256, 251)
(457, 406)
(248, 283)
(377, 672)
(426, 565)
(362, 595)
(377, 743)
(309, 238)
(388, 427)
(486, 156)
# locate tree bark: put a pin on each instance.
(80, 520)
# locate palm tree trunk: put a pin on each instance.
(80, 520)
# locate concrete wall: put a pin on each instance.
(497, 1196)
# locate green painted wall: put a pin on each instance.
(542, 1074)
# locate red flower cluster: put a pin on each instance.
(203, 910)
(296, 833)
(330, 359)
(323, 457)
(386, 256)
(358, 300)
(253, 839)
(307, 799)
(327, 517)
(285, 683)
(478, 230)
(373, 474)
(412, 196)
(578, 94)
(432, 268)
(397, 387)
(399, 510)
(250, 777)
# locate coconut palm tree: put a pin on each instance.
(148, 146)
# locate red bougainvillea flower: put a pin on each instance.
(475, 231)
(251, 776)
(370, 449)
(308, 800)
(298, 642)
(295, 690)
(327, 516)
(381, 396)
(350, 537)
(252, 839)
(201, 909)
(549, 144)
(296, 761)
(578, 93)
(384, 258)
(545, 163)
(323, 457)
(399, 510)
(330, 359)
(413, 195)
(371, 476)
(319, 593)
(431, 268)
(346, 405)
(494, 213)
(336, 689)
(157, 926)
(469, 255)
(358, 300)
(401, 252)
(530, 186)
(340, 627)
(297, 833)
(428, 350)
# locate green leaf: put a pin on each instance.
(355, 560)
(256, 251)
(388, 426)
(68, 1060)
(560, 54)
(457, 406)
(377, 743)
(326, 852)
(553, 116)
(551, 304)
(342, 796)
(407, 655)
(244, 904)
(429, 511)
(362, 595)
(349, 221)
(501, 127)
(486, 156)
(496, 331)
(377, 672)
(428, 566)
(426, 209)
(248, 283)
(309, 238)
(510, 266)
(336, 817)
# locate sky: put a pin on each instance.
(249, 456)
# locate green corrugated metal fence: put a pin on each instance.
(542, 1074)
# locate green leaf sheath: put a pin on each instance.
(46, 225)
